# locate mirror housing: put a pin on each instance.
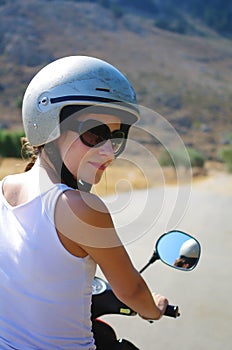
(179, 250)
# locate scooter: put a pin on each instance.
(176, 249)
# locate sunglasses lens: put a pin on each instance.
(98, 135)
(117, 141)
(91, 139)
(95, 136)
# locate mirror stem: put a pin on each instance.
(154, 257)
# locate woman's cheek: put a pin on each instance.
(74, 156)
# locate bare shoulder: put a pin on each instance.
(87, 206)
(16, 189)
(84, 218)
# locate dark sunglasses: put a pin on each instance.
(94, 134)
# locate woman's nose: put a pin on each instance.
(107, 149)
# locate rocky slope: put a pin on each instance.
(185, 78)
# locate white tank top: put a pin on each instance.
(45, 292)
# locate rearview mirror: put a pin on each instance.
(179, 250)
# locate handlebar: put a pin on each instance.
(172, 311)
(104, 302)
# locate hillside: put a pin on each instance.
(186, 78)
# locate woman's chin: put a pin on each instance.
(92, 180)
(91, 177)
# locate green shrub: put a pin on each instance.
(117, 11)
(229, 137)
(225, 155)
(196, 158)
(104, 3)
(188, 157)
(174, 25)
(10, 143)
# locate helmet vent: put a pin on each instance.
(103, 89)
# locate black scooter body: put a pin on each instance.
(104, 302)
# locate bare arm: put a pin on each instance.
(90, 225)
(126, 282)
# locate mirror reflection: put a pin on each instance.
(178, 249)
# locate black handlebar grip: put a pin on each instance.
(172, 311)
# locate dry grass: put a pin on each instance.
(10, 166)
(119, 177)
(116, 178)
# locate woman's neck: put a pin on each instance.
(46, 168)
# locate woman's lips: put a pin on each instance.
(99, 165)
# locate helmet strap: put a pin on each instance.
(70, 180)
(62, 171)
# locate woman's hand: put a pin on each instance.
(161, 302)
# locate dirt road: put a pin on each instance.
(203, 295)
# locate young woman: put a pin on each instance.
(77, 112)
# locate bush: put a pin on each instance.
(189, 157)
(174, 25)
(117, 11)
(10, 143)
(225, 155)
(196, 158)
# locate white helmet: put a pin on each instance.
(73, 80)
(190, 249)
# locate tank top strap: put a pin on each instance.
(50, 197)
